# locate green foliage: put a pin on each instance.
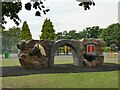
(12, 32)
(72, 34)
(68, 35)
(111, 34)
(10, 38)
(59, 35)
(92, 32)
(107, 49)
(86, 3)
(25, 32)
(11, 10)
(48, 32)
(81, 34)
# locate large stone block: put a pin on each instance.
(30, 56)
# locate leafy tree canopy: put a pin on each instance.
(111, 34)
(12, 32)
(9, 39)
(11, 9)
(86, 3)
(92, 32)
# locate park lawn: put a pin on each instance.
(108, 79)
(64, 80)
(67, 61)
(7, 62)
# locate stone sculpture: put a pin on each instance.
(40, 53)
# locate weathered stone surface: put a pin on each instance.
(99, 58)
(33, 61)
(69, 43)
(31, 57)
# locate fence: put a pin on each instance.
(111, 56)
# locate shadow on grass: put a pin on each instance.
(67, 68)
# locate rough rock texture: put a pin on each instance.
(77, 57)
(33, 61)
(30, 56)
(99, 58)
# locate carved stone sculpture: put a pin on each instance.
(40, 53)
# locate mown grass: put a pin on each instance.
(64, 80)
(7, 62)
(57, 61)
(108, 79)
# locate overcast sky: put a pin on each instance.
(67, 15)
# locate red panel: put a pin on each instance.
(88, 48)
(93, 48)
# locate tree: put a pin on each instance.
(72, 34)
(11, 9)
(25, 32)
(10, 38)
(12, 32)
(92, 32)
(86, 3)
(82, 34)
(48, 32)
(65, 34)
(59, 35)
(38, 5)
(111, 34)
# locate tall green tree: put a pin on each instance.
(48, 32)
(111, 34)
(25, 32)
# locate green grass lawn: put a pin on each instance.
(108, 79)
(65, 80)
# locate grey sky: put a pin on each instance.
(67, 15)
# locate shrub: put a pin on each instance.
(107, 49)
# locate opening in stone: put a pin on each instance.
(63, 55)
(69, 43)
